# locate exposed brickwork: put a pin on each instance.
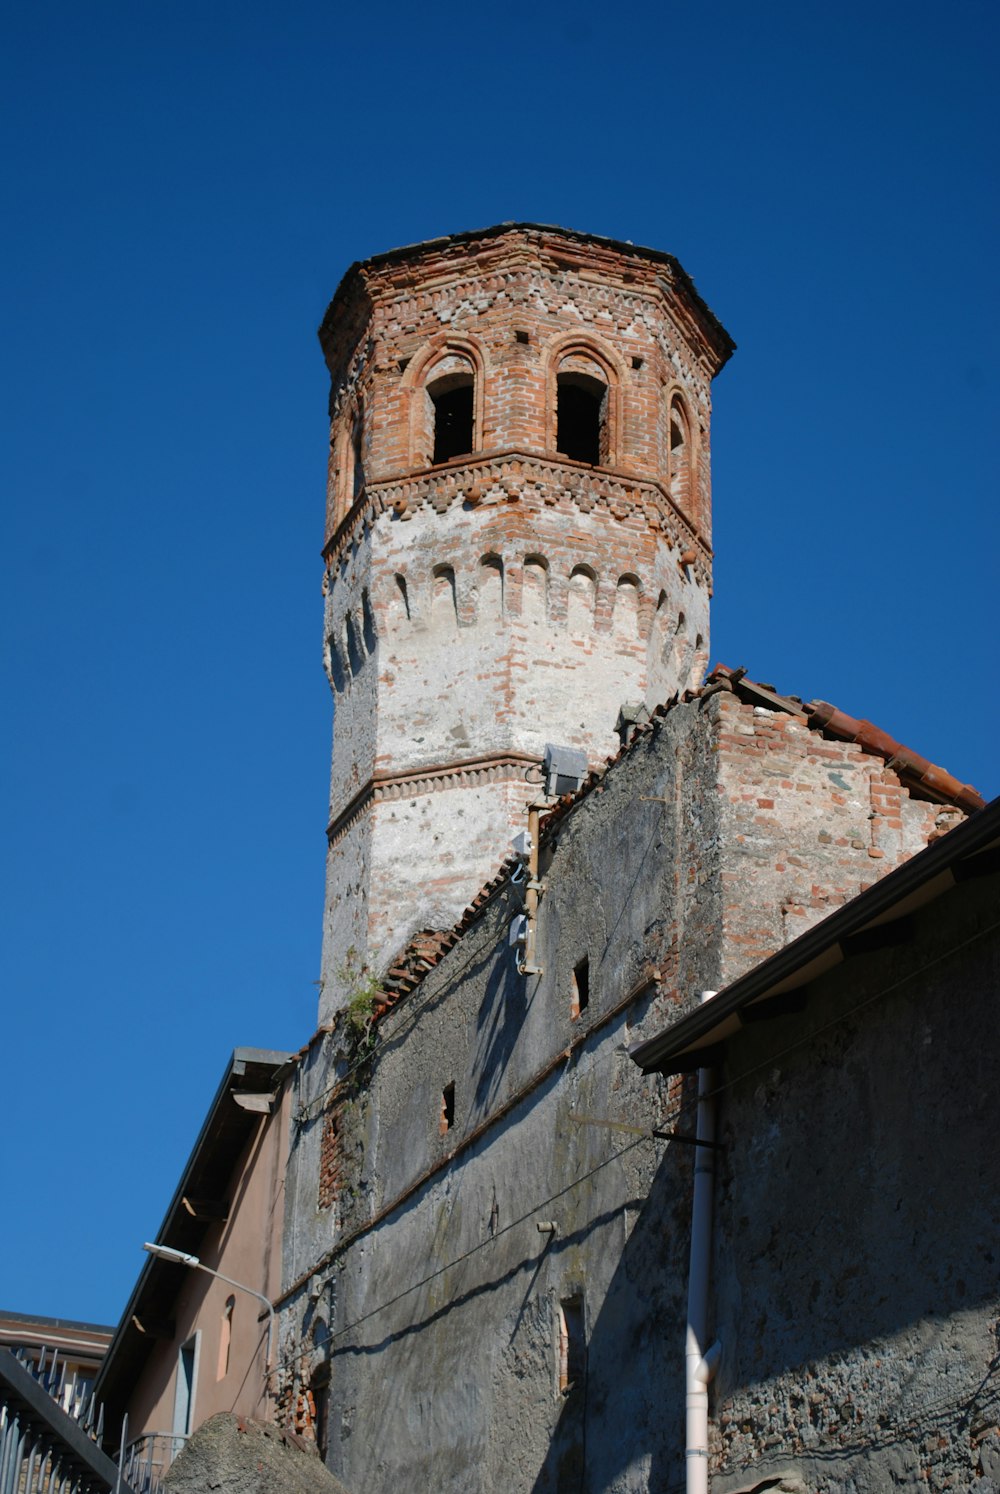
(331, 1157)
(510, 595)
(808, 821)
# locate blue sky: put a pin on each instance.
(186, 184)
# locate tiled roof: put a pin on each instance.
(924, 780)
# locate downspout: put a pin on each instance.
(699, 1363)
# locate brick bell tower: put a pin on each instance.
(518, 542)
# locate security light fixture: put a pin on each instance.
(564, 769)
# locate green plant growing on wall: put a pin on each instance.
(359, 1010)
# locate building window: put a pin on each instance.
(225, 1338)
(451, 399)
(580, 990)
(357, 457)
(447, 1119)
(581, 417)
(681, 487)
(572, 1347)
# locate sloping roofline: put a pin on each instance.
(224, 1133)
(971, 849)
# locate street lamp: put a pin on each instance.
(181, 1258)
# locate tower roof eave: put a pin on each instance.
(713, 330)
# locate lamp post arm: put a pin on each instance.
(240, 1287)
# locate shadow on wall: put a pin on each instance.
(622, 1421)
(498, 1023)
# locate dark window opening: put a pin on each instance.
(581, 407)
(447, 1109)
(572, 1344)
(581, 988)
(320, 1389)
(451, 398)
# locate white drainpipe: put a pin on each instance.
(699, 1363)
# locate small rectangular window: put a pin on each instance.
(447, 1109)
(580, 996)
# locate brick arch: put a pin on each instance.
(682, 473)
(582, 346)
(346, 478)
(420, 371)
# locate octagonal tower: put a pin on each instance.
(518, 543)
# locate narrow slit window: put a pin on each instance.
(572, 1344)
(357, 458)
(226, 1338)
(452, 401)
(447, 1109)
(581, 412)
(580, 994)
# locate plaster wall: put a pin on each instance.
(858, 1220)
(247, 1247)
(443, 1318)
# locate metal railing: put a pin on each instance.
(44, 1449)
(148, 1457)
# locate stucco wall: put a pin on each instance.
(858, 1220)
(247, 1248)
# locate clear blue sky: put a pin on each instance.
(186, 184)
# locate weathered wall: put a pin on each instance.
(444, 1316)
(807, 823)
(858, 1215)
(438, 1290)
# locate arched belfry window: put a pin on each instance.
(446, 404)
(681, 455)
(584, 408)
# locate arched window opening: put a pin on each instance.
(336, 663)
(535, 589)
(451, 398)
(680, 452)
(625, 619)
(581, 417)
(580, 601)
(354, 654)
(225, 1338)
(444, 606)
(491, 587)
(401, 599)
(572, 1344)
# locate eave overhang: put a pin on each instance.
(875, 917)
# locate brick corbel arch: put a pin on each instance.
(613, 369)
(419, 372)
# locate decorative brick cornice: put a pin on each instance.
(514, 476)
(496, 767)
